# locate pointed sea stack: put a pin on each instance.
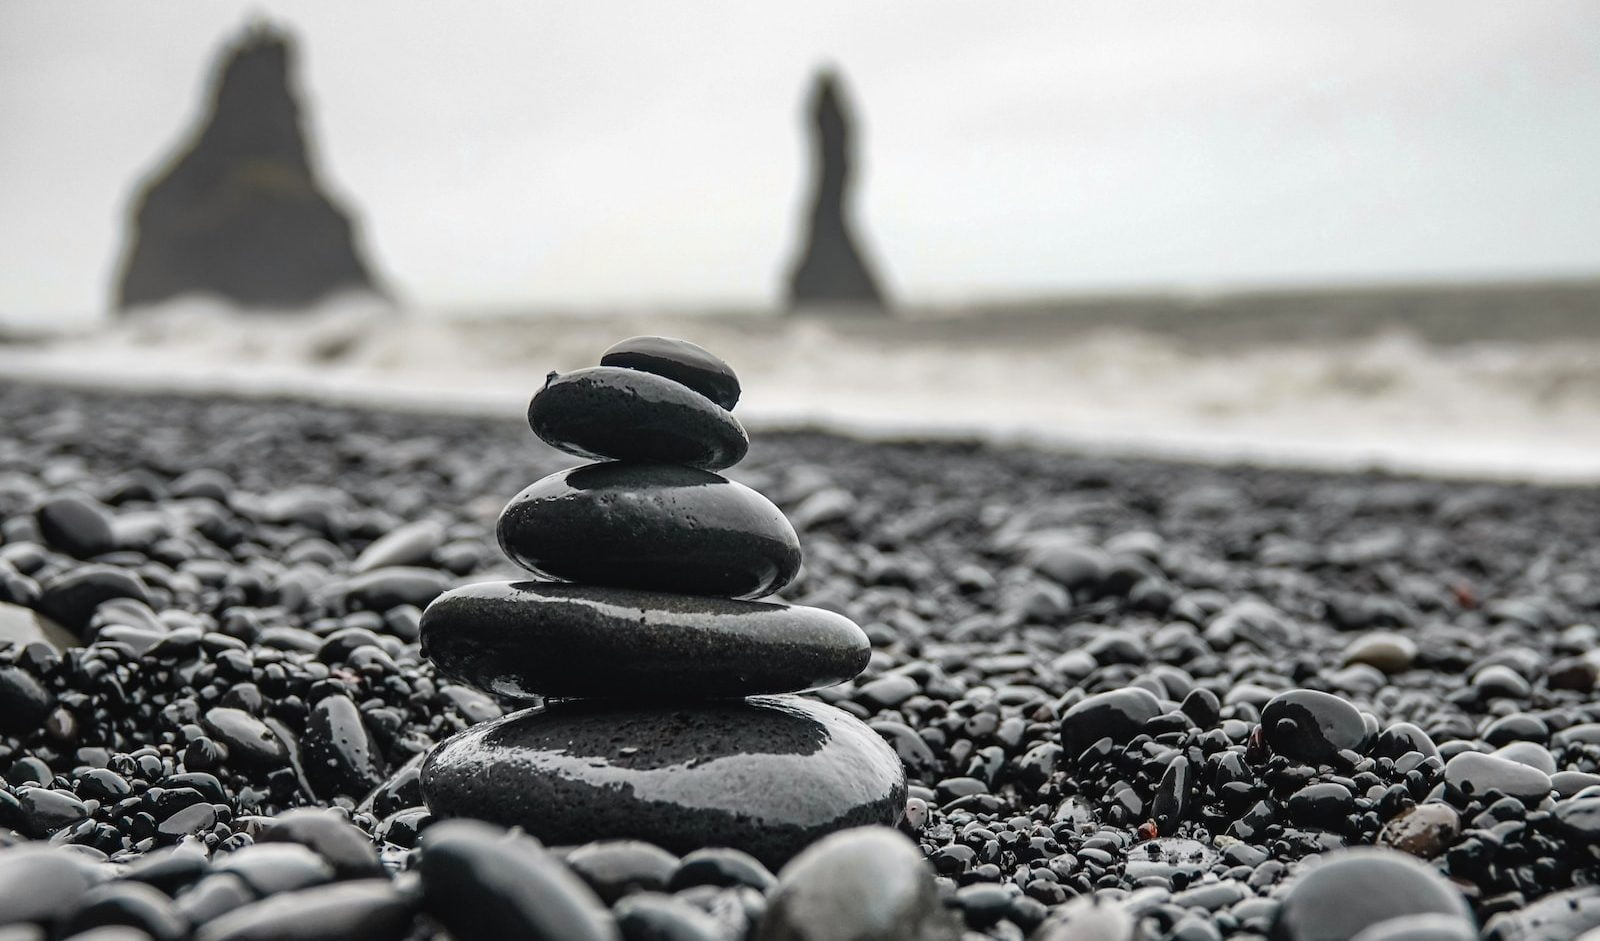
(239, 212)
(666, 713)
(831, 272)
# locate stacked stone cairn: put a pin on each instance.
(656, 681)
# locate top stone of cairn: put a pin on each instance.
(652, 399)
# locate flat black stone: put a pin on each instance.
(631, 415)
(653, 526)
(768, 776)
(679, 360)
(523, 639)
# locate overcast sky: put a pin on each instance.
(595, 154)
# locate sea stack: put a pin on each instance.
(831, 272)
(239, 212)
(659, 682)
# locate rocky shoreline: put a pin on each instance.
(1080, 661)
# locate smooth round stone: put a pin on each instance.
(866, 883)
(483, 883)
(542, 638)
(681, 361)
(1474, 773)
(1311, 726)
(768, 776)
(628, 415)
(653, 526)
(1349, 891)
(1118, 713)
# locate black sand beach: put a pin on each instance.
(252, 653)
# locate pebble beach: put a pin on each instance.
(1129, 698)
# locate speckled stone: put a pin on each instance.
(523, 639)
(768, 776)
(651, 526)
(630, 415)
(680, 360)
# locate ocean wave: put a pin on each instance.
(1524, 409)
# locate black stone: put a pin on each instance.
(830, 270)
(722, 867)
(1311, 726)
(614, 868)
(629, 415)
(44, 811)
(1350, 890)
(361, 910)
(482, 883)
(24, 701)
(1327, 804)
(330, 836)
(76, 525)
(71, 598)
(767, 775)
(1118, 714)
(679, 360)
(867, 883)
(270, 868)
(651, 526)
(240, 212)
(542, 638)
(652, 916)
(338, 752)
(249, 741)
(1403, 737)
(1473, 773)
(129, 903)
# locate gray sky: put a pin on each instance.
(600, 154)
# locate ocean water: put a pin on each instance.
(1387, 395)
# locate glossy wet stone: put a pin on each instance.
(1473, 773)
(550, 639)
(1118, 714)
(607, 412)
(481, 882)
(1312, 726)
(651, 526)
(337, 750)
(680, 360)
(868, 883)
(767, 775)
